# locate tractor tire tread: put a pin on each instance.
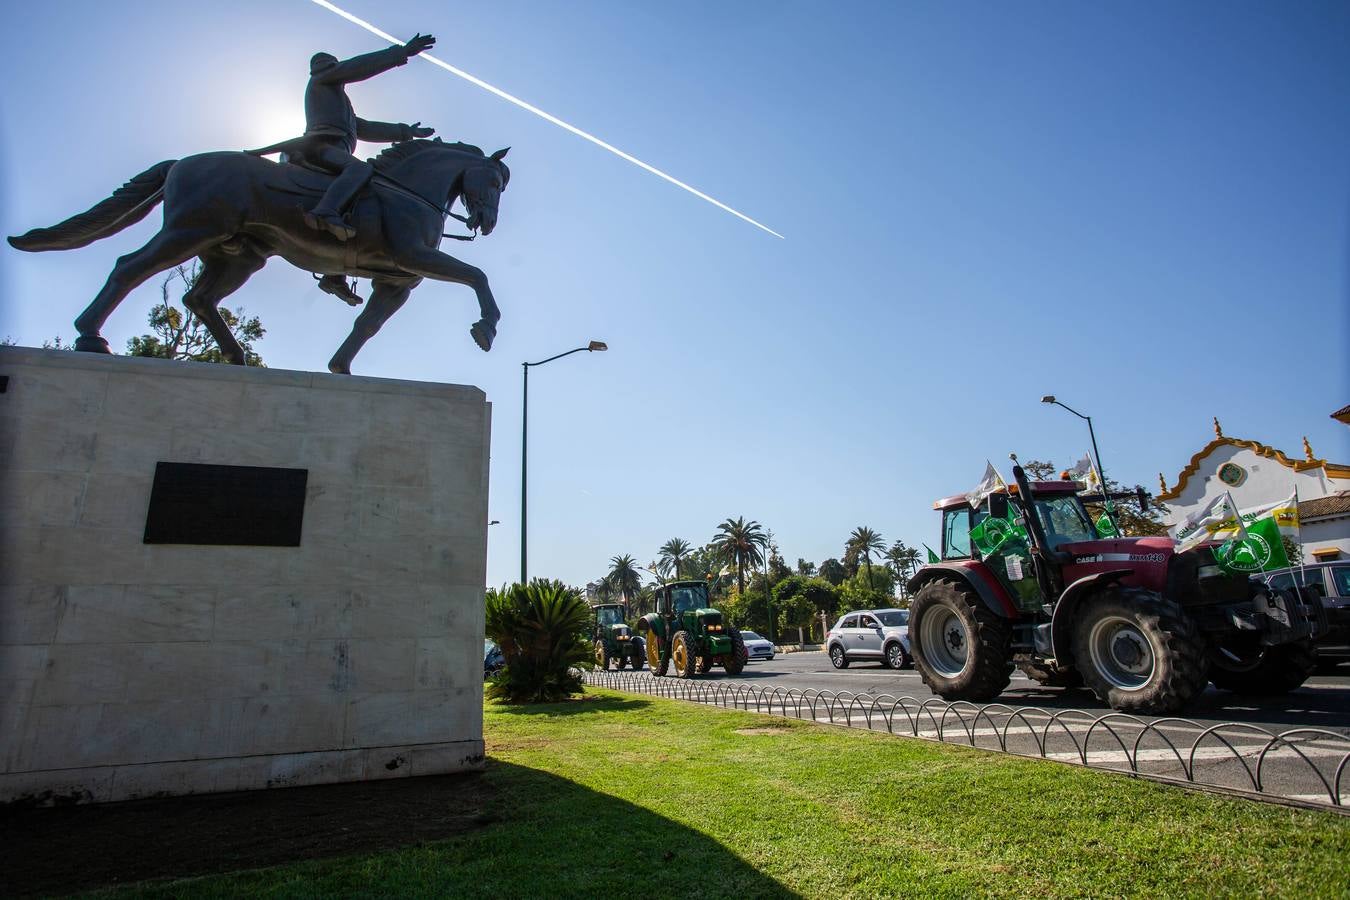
(991, 671)
(1183, 653)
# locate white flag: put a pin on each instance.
(1218, 520)
(991, 482)
(1086, 472)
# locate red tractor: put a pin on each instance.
(1144, 626)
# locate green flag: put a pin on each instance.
(932, 557)
(1105, 527)
(989, 534)
(1260, 551)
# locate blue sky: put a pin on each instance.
(1141, 208)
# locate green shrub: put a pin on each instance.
(543, 629)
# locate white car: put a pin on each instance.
(756, 646)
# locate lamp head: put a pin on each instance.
(1048, 398)
(597, 345)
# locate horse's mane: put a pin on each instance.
(397, 153)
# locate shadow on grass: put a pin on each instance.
(586, 703)
(510, 831)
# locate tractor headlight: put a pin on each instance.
(714, 627)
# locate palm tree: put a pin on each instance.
(674, 550)
(913, 559)
(604, 590)
(895, 558)
(865, 542)
(741, 543)
(624, 576)
(542, 630)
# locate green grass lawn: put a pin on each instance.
(624, 797)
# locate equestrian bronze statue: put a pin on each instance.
(235, 210)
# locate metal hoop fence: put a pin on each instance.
(1305, 766)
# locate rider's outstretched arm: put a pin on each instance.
(359, 68)
(368, 65)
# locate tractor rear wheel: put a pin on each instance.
(1138, 651)
(960, 647)
(682, 654)
(734, 662)
(601, 655)
(657, 661)
(1250, 668)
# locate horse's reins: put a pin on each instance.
(443, 210)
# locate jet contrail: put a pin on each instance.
(543, 115)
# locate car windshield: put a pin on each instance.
(1064, 520)
(892, 619)
(750, 636)
(687, 599)
(609, 615)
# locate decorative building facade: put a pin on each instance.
(1258, 474)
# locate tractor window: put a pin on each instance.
(956, 533)
(1064, 520)
(609, 615)
(687, 599)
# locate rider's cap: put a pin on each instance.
(320, 61)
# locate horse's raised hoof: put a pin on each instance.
(483, 334)
(91, 343)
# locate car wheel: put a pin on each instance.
(895, 657)
(837, 657)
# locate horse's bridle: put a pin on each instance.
(443, 210)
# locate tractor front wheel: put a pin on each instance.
(682, 654)
(636, 660)
(657, 661)
(1246, 667)
(734, 662)
(960, 647)
(601, 655)
(1138, 651)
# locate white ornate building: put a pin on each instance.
(1257, 474)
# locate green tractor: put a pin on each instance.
(614, 640)
(689, 633)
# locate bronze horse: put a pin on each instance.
(234, 210)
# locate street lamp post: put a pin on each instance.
(524, 436)
(1101, 473)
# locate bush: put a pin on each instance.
(543, 629)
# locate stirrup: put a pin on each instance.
(338, 288)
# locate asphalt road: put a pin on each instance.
(1322, 702)
(1223, 739)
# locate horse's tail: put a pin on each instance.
(128, 205)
